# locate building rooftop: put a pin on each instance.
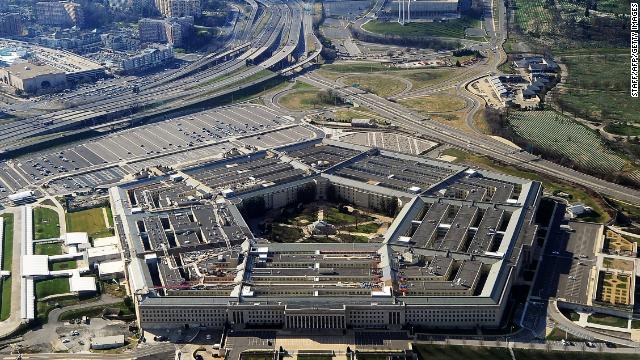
(27, 70)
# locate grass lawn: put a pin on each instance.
(335, 217)
(368, 228)
(597, 88)
(320, 239)
(346, 115)
(435, 103)
(376, 84)
(578, 194)
(623, 129)
(46, 223)
(632, 211)
(94, 311)
(452, 28)
(357, 67)
(48, 249)
(635, 324)
(420, 78)
(557, 335)
(64, 265)
(53, 286)
(437, 352)
(348, 238)
(263, 356)
(521, 354)
(423, 78)
(5, 309)
(285, 234)
(609, 320)
(7, 242)
(90, 221)
(303, 100)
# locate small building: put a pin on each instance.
(77, 239)
(577, 210)
(148, 58)
(107, 342)
(35, 265)
(82, 284)
(22, 197)
(103, 253)
(111, 270)
(33, 79)
(106, 241)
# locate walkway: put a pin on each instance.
(14, 321)
(57, 208)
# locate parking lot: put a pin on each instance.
(567, 263)
(183, 140)
(390, 141)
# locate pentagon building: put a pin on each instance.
(448, 260)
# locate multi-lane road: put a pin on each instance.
(267, 41)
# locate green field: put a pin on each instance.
(555, 133)
(453, 28)
(5, 308)
(376, 84)
(608, 320)
(304, 100)
(335, 217)
(419, 78)
(349, 238)
(48, 249)
(358, 67)
(285, 234)
(50, 287)
(64, 265)
(94, 311)
(625, 129)
(368, 228)
(597, 89)
(46, 223)
(7, 242)
(90, 221)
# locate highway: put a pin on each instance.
(474, 142)
(274, 44)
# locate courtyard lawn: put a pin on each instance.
(608, 320)
(48, 249)
(64, 265)
(7, 242)
(50, 287)
(335, 217)
(349, 238)
(5, 309)
(285, 234)
(368, 228)
(46, 223)
(90, 221)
